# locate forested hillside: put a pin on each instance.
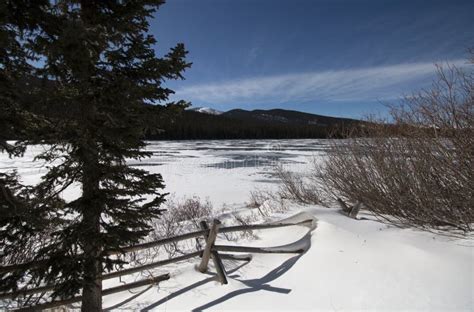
(174, 123)
(257, 124)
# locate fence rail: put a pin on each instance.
(211, 250)
(105, 292)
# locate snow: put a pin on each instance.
(206, 110)
(349, 265)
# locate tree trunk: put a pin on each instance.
(91, 211)
(92, 204)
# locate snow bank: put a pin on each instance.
(350, 264)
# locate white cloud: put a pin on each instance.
(373, 83)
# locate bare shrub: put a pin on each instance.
(305, 190)
(190, 209)
(257, 198)
(242, 220)
(268, 202)
(417, 171)
(181, 216)
(246, 220)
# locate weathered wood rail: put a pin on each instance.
(350, 211)
(168, 240)
(105, 292)
(211, 250)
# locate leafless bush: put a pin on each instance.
(246, 220)
(268, 202)
(417, 171)
(305, 190)
(184, 215)
(190, 209)
(257, 198)
(239, 219)
(181, 216)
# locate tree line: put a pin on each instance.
(191, 125)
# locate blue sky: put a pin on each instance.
(331, 57)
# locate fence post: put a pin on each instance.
(208, 251)
(355, 210)
(219, 267)
(343, 205)
(206, 255)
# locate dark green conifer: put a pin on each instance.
(97, 69)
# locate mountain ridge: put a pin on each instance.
(199, 124)
(205, 110)
(278, 115)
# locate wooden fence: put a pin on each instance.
(210, 251)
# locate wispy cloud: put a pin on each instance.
(372, 83)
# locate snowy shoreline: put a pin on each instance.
(351, 265)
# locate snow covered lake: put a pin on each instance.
(351, 265)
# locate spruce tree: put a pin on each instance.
(21, 223)
(18, 19)
(98, 69)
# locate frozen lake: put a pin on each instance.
(225, 171)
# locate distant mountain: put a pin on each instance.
(283, 116)
(205, 110)
(173, 123)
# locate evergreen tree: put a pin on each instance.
(21, 224)
(17, 20)
(98, 70)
